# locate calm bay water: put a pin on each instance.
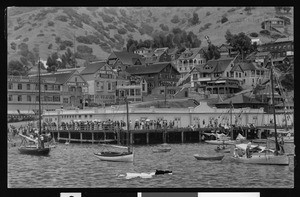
(75, 166)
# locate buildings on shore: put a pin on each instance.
(148, 75)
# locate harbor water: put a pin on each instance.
(75, 166)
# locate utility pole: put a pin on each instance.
(231, 130)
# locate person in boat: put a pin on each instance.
(281, 143)
(248, 150)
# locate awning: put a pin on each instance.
(23, 112)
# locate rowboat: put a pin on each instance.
(220, 142)
(161, 150)
(115, 156)
(211, 158)
(33, 150)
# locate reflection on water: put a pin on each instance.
(75, 166)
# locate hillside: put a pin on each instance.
(44, 29)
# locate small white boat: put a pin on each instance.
(221, 142)
(161, 150)
(115, 156)
(261, 155)
(264, 159)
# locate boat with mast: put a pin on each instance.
(118, 156)
(265, 156)
(38, 148)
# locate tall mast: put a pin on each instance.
(273, 106)
(39, 74)
(127, 118)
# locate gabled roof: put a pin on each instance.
(160, 50)
(153, 68)
(218, 65)
(193, 52)
(126, 57)
(173, 51)
(238, 99)
(92, 68)
(288, 39)
(61, 77)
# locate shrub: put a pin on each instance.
(224, 19)
(57, 39)
(25, 39)
(110, 26)
(175, 19)
(62, 46)
(122, 31)
(19, 36)
(68, 43)
(53, 34)
(40, 35)
(29, 29)
(61, 18)
(164, 27)
(111, 11)
(123, 12)
(119, 38)
(129, 28)
(107, 18)
(84, 49)
(264, 32)
(50, 46)
(208, 13)
(90, 39)
(13, 45)
(50, 23)
(254, 34)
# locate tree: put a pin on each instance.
(16, 68)
(240, 42)
(195, 19)
(212, 52)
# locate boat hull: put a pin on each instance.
(226, 150)
(29, 150)
(115, 157)
(264, 159)
(220, 142)
(210, 158)
(161, 150)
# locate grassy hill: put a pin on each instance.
(44, 29)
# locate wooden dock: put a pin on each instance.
(141, 137)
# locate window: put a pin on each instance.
(195, 76)
(37, 98)
(10, 98)
(19, 86)
(65, 100)
(28, 97)
(10, 86)
(56, 98)
(143, 87)
(131, 92)
(46, 87)
(28, 86)
(108, 86)
(240, 75)
(227, 74)
(19, 97)
(137, 92)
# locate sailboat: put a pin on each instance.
(266, 156)
(38, 148)
(118, 156)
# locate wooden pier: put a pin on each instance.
(140, 137)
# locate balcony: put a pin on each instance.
(202, 79)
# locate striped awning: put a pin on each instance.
(16, 112)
